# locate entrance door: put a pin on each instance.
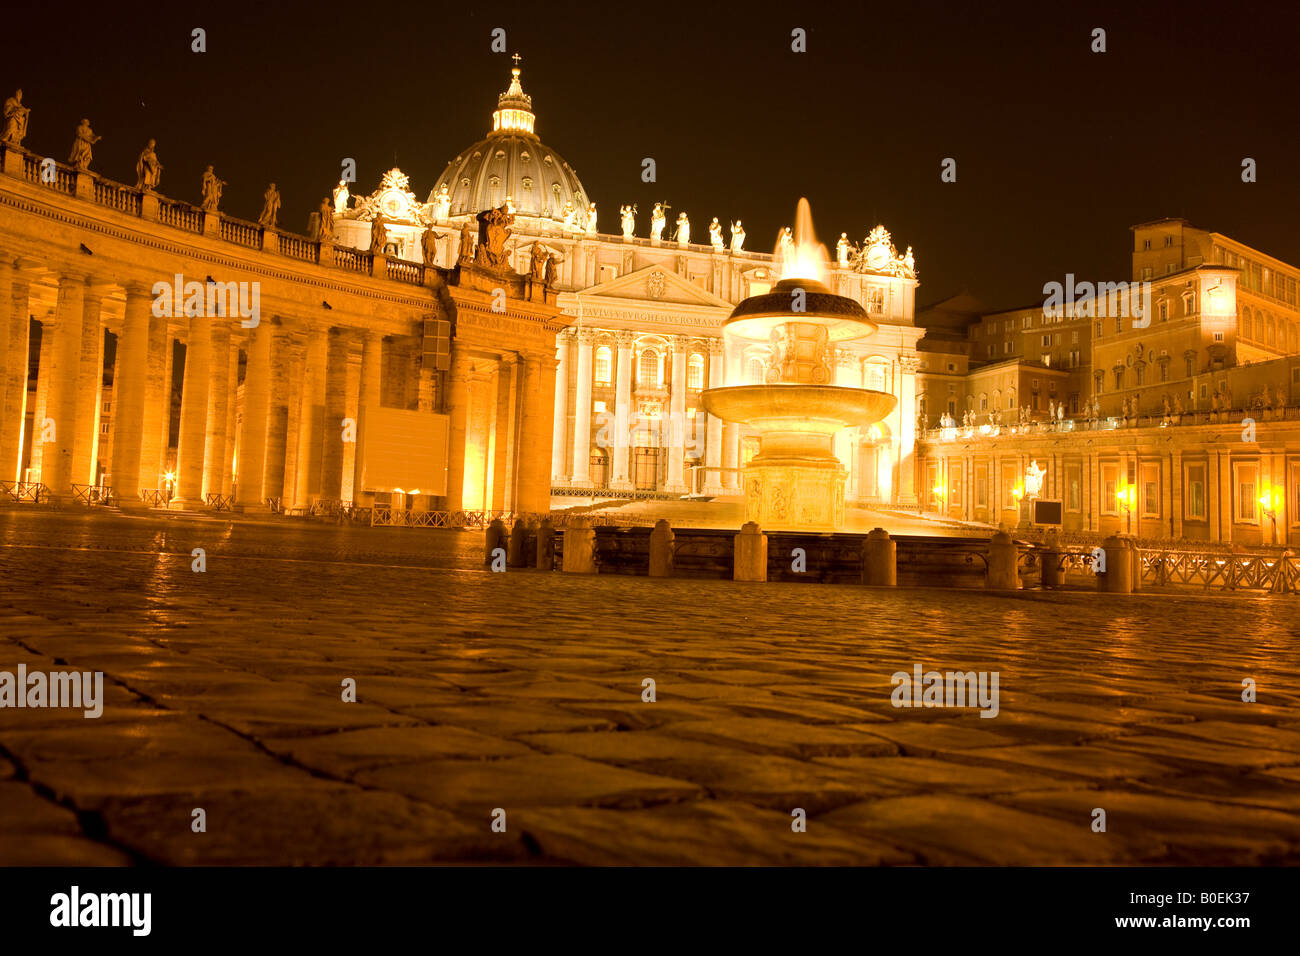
(645, 469)
(599, 469)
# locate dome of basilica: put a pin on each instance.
(512, 163)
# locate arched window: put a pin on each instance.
(1271, 332)
(649, 368)
(695, 372)
(1247, 329)
(984, 402)
(604, 366)
(1011, 398)
(754, 371)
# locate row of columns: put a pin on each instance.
(288, 442)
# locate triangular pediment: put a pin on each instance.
(653, 285)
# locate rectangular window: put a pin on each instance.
(1169, 241)
(1151, 490)
(108, 407)
(103, 428)
(1028, 322)
(1011, 477)
(599, 406)
(1194, 500)
(1164, 311)
(1119, 378)
(1146, 245)
(1119, 323)
(1109, 488)
(1218, 336)
(1047, 340)
(1164, 371)
(1246, 485)
(1073, 488)
(1099, 333)
(981, 486)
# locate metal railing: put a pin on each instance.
(32, 491)
(92, 495)
(1279, 573)
(219, 502)
(154, 497)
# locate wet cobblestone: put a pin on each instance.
(522, 691)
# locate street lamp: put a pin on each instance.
(169, 480)
(1126, 499)
(1270, 502)
(940, 495)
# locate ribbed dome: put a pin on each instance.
(512, 162)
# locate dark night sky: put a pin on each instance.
(1059, 150)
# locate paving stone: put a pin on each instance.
(787, 737)
(536, 780)
(1099, 762)
(342, 754)
(898, 775)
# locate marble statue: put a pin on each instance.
(378, 234)
(441, 204)
(657, 222)
(466, 252)
(429, 246)
(326, 219)
(212, 187)
(715, 235)
(81, 154)
(842, 250)
(550, 268)
(737, 236)
(591, 218)
(909, 263)
(683, 231)
(627, 219)
(785, 245)
(1060, 412)
(1179, 410)
(1034, 478)
(270, 207)
(537, 262)
(569, 216)
(341, 197)
(492, 251)
(148, 170)
(313, 225)
(15, 128)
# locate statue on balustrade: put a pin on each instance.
(441, 203)
(551, 260)
(569, 216)
(537, 262)
(341, 197)
(429, 246)
(658, 219)
(627, 219)
(591, 218)
(842, 250)
(466, 252)
(270, 207)
(378, 234)
(81, 155)
(212, 187)
(785, 245)
(737, 236)
(683, 231)
(15, 128)
(148, 170)
(326, 220)
(715, 235)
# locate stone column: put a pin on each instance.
(249, 495)
(13, 412)
(156, 420)
(539, 378)
(713, 435)
(372, 363)
(677, 418)
(478, 437)
(90, 387)
(232, 415)
(311, 415)
(336, 372)
(277, 415)
(622, 413)
(40, 414)
(907, 431)
(130, 385)
(8, 357)
(192, 443)
(582, 412)
(58, 431)
(505, 465)
(560, 439)
(458, 412)
(297, 353)
(214, 455)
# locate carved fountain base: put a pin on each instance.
(787, 494)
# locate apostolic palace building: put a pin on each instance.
(492, 348)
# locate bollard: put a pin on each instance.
(580, 550)
(546, 545)
(1118, 576)
(493, 539)
(1051, 564)
(880, 559)
(515, 550)
(1002, 574)
(661, 550)
(750, 554)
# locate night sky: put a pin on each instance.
(1058, 150)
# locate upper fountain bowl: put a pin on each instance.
(755, 317)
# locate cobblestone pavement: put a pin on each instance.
(523, 691)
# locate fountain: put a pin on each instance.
(795, 481)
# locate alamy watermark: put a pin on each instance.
(25, 688)
(950, 689)
(74, 908)
(210, 298)
(1099, 300)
